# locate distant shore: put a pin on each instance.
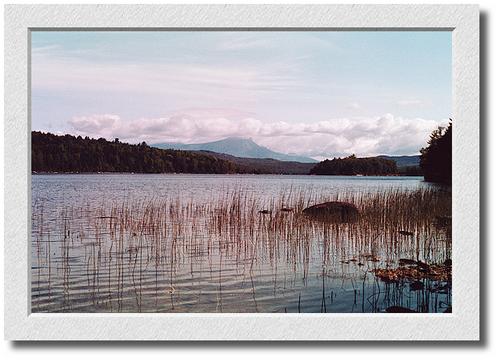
(67, 154)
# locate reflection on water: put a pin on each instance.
(199, 243)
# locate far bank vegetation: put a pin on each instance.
(352, 165)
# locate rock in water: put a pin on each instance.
(417, 285)
(333, 211)
(404, 262)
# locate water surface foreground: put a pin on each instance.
(236, 243)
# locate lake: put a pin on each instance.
(235, 243)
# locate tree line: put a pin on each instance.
(352, 165)
(67, 153)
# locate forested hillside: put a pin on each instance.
(265, 166)
(355, 166)
(52, 153)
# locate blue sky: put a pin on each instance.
(321, 94)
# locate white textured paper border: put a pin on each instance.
(462, 324)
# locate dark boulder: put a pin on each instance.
(333, 211)
(404, 262)
(417, 285)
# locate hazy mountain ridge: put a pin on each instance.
(403, 160)
(263, 166)
(239, 147)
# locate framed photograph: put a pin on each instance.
(242, 172)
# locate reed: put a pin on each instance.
(135, 252)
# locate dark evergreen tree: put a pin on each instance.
(436, 158)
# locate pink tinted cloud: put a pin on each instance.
(385, 134)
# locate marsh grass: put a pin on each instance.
(133, 255)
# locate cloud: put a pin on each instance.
(200, 81)
(307, 42)
(46, 49)
(409, 102)
(353, 105)
(366, 136)
(95, 124)
(299, 77)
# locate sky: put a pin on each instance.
(316, 93)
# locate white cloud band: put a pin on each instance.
(336, 137)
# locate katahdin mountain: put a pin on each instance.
(236, 146)
(247, 148)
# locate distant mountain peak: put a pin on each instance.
(238, 139)
(237, 146)
(234, 138)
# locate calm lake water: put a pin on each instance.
(199, 243)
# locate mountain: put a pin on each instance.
(403, 161)
(263, 166)
(235, 146)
